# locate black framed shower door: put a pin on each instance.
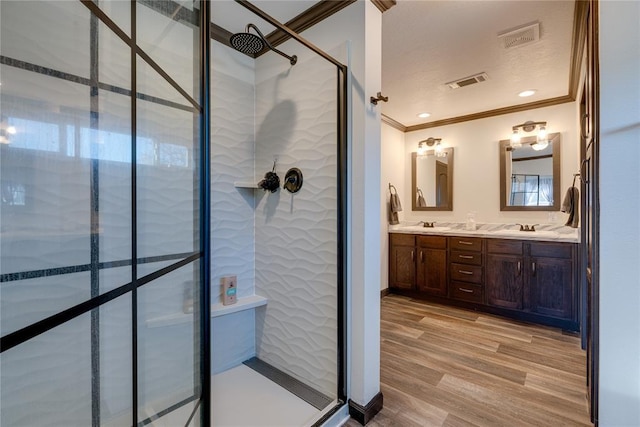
(105, 195)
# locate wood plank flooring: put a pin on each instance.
(443, 366)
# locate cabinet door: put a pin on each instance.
(552, 287)
(402, 267)
(504, 281)
(432, 271)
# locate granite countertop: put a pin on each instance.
(544, 232)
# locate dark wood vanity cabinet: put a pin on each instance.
(533, 277)
(505, 280)
(418, 263)
(466, 269)
(524, 279)
(432, 265)
(402, 261)
(551, 276)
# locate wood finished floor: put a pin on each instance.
(443, 366)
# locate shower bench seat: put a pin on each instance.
(217, 310)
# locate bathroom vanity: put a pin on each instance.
(530, 276)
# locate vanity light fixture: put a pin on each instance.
(436, 143)
(541, 141)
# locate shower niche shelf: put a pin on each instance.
(217, 310)
(245, 184)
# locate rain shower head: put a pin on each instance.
(252, 44)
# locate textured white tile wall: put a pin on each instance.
(232, 209)
(296, 239)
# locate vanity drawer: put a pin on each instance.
(466, 292)
(553, 250)
(472, 258)
(433, 242)
(466, 273)
(402, 239)
(498, 246)
(466, 243)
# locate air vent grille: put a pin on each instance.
(468, 81)
(520, 36)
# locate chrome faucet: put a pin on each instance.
(427, 224)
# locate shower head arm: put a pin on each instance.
(292, 59)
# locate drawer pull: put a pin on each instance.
(421, 256)
(468, 273)
(465, 256)
(469, 291)
(413, 256)
(519, 268)
(462, 242)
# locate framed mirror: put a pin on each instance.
(432, 181)
(530, 178)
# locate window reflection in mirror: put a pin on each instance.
(432, 181)
(530, 178)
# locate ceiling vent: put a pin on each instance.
(467, 81)
(520, 36)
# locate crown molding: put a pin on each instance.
(316, 13)
(393, 123)
(384, 5)
(492, 113)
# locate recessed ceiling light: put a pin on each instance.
(12, 130)
(424, 115)
(526, 93)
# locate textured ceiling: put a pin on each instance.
(426, 44)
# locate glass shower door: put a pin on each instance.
(100, 262)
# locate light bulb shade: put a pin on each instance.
(422, 148)
(12, 130)
(542, 133)
(439, 150)
(515, 139)
(540, 145)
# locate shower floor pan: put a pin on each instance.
(242, 396)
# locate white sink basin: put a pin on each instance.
(422, 228)
(527, 234)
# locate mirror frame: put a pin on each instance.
(449, 206)
(554, 138)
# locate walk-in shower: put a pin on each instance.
(133, 137)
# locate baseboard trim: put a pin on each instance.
(364, 414)
(384, 292)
